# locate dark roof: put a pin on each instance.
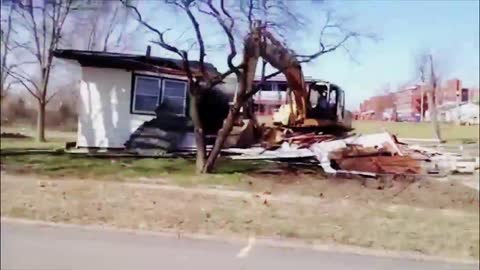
(126, 61)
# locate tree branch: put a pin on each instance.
(250, 14)
(6, 68)
(91, 38)
(44, 29)
(21, 79)
(324, 50)
(50, 98)
(228, 31)
(198, 34)
(30, 11)
(160, 35)
(111, 28)
(254, 90)
(6, 39)
(222, 77)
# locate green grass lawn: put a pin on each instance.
(451, 133)
(179, 170)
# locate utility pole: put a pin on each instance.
(458, 99)
(421, 103)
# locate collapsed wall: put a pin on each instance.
(171, 132)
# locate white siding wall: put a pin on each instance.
(104, 108)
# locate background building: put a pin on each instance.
(406, 103)
(378, 108)
(273, 94)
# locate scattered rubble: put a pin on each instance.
(286, 151)
(368, 155)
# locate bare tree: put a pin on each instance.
(102, 26)
(233, 22)
(429, 76)
(42, 21)
(6, 51)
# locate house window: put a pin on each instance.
(175, 96)
(282, 87)
(267, 86)
(150, 92)
(147, 94)
(262, 108)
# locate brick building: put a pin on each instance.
(367, 109)
(447, 93)
(377, 107)
(406, 104)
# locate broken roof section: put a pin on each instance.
(132, 62)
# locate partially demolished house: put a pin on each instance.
(140, 101)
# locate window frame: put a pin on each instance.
(278, 88)
(134, 94)
(161, 80)
(185, 93)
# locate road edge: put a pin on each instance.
(269, 242)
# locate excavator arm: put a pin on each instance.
(260, 43)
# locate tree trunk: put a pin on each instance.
(246, 82)
(249, 111)
(199, 134)
(41, 121)
(201, 150)
(432, 107)
(221, 137)
(42, 102)
(421, 104)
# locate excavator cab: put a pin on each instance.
(327, 102)
(324, 108)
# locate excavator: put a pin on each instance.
(316, 105)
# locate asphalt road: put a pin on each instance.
(31, 247)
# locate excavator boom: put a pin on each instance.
(261, 43)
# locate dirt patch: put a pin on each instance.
(277, 179)
(424, 193)
(452, 233)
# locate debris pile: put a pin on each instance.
(369, 155)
